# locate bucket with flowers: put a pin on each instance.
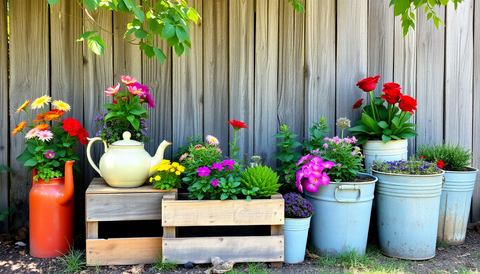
(341, 194)
(384, 130)
(49, 153)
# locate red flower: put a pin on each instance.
(422, 157)
(407, 103)
(368, 84)
(72, 126)
(82, 136)
(392, 93)
(440, 164)
(237, 124)
(358, 104)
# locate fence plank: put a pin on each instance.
(475, 212)
(4, 149)
(458, 74)
(291, 69)
(430, 79)
(405, 68)
(187, 97)
(98, 76)
(241, 70)
(215, 71)
(319, 62)
(351, 61)
(67, 82)
(29, 71)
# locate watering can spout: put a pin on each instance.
(158, 156)
(65, 194)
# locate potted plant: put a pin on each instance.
(407, 199)
(298, 212)
(457, 189)
(49, 153)
(383, 130)
(341, 194)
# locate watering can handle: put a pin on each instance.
(89, 156)
(348, 187)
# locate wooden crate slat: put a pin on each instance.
(238, 249)
(99, 186)
(123, 251)
(218, 213)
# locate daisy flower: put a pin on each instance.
(45, 135)
(19, 128)
(61, 105)
(31, 133)
(23, 106)
(212, 140)
(112, 90)
(42, 126)
(39, 102)
(127, 80)
(184, 155)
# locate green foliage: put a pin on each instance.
(73, 261)
(185, 149)
(297, 5)
(288, 157)
(256, 268)
(405, 8)
(167, 175)
(5, 168)
(456, 158)
(260, 180)
(163, 266)
(200, 155)
(317, 136)
(5, 212)
(414, 166)
(443, 244)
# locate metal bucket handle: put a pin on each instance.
(443, 181)
(348, 187)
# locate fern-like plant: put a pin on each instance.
(259, 182)
(447, 156)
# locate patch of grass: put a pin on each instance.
(256, 268)
(73, 261)
(476, 255)
(163, 266)
(233, 271)
(443, 244)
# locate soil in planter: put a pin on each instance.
(223, 231)
(130, 229)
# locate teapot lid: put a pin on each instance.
(126, 141)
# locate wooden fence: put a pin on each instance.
(254, 61)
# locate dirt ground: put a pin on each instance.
(464, 258)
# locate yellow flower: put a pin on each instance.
(165, 162)
(172, 170)
(23, 106)
(178, 172)
(157, 178)
(61, 105)
(181, 168)
(39, 102)
(175, 164)
(151, 179)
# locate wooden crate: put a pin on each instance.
(104, 204)
(193, 213)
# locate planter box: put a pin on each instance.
(194, 213)
(107, 204)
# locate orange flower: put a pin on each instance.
(42, 126)
(54, 114)
(19, 128)
(39, 119)
(23, 106)
(58, 111)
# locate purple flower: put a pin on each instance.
(214, 183)
(203, 171)
(49, 154)
(354, 140)
(217, 166)
(325, 145)
(353, 153)
(228, 163)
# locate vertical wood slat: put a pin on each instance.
(430, 79)
(215, 71)
(4, 149)
(291, 54)
(475, 212)
(459, 74)
(241, 70)
(67, 81)
(187, 87)
(266, 71)
(98, 76)
(351, 60)
(319, 62)
(30, 72)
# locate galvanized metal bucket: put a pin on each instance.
(379, 151)
(407, 214)
(455, 205)
(342, 216)
(295, 232)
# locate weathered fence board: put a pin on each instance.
(4, 130)
(475, 213)
(319, 62)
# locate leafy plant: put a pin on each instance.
(414, 166)
(191, 141)
(317, 135)
(73, 261)
(161, 266)
(5, 168)
(5, 212)
(167, 175)
(454, 158)
(288, 156)
(296, 206)
(259, 181)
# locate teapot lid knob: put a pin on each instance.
(126, 135)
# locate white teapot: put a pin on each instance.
(125, 163)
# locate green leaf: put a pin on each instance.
(172, 41)
(25, 156)
(179, 49)
(138, 110)
(129, 31)
(129, 4)
(148, 50)
(386, 138)
(92, 4)
(139, 14)
(86, 34)
(369, 122)
(401, 6)
(383, 124)
(135, 123)
(159, 55)
(31, 162)
(111, 114)
(153, 25)
(407, 133)
(182, 34)
(168, 31)
(141, 33)
(409, 125)
(96, 45)
(444, 2)
(387, 131)
(192, 14)
(224, 196)
(53, 2)
(55, 163)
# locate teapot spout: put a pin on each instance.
(158, 156)
(64, 195)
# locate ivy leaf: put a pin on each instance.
(141, 33)
(167, 31)
(96, 45)
(92, 4)
(86, 34)
(159, 55)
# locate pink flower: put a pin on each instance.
(304, 159)
(339, 165)
(217, 166)
(149, 100)
(354, 140)
(326, 139)
(136, 90)
(112, 90)
(214, 183)
(334, 149)
(312, 184)
(212, 140)
(357, 148)
(49, 154)
(324, 180)
(45, 135)
(183, 157)
(203, 171)
(228, 163)
(325, 145)
(127, 80)
(353, 153)
(348, 140)
(328, 164)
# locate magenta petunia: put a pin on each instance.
(328, 164)
(228, 163)
(203, 171)
(217, 166)
(324, 179)
(49, 154)
(214, 183)
(304, 159)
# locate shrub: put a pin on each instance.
(414, 166)
(455, 158)
(262, 181)
(296, 206)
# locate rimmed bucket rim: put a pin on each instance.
(472, 170)
(409, 175)
(362, 174)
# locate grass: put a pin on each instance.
(443, 244)
(256, 268)
(476, 255)
(163, 266)
(73, 261)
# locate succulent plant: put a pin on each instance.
(261, 177)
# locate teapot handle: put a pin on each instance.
(89, 157)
